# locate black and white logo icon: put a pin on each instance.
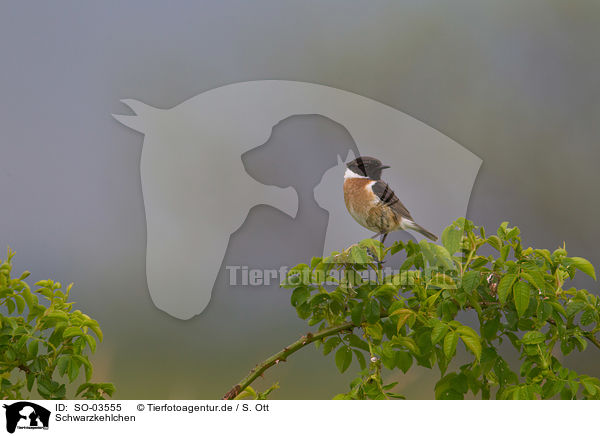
(26, 415)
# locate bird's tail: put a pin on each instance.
(414, 226)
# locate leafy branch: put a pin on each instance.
(45, 342)
(282, 356)
(408, 316)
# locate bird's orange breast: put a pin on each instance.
(366, 208)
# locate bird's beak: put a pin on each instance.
(383, 167)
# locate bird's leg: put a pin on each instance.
(383, 236)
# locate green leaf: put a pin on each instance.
(443, 257)
(360, 358)
(62, 364)
(359, 255)
(451, 238)
(442, 281)
(73, 370)
(521, 292)
(375, 331)
(545, 254)
(314, 262)
(495, 242)
(72, 332)
(407, 342)
(403, 316)
(583, 265)
(574, 307)
(472, 343)
(375, 247)
(534, 337)
(470, 281)
(356, 342)
(300, 295)
(331, 344)
(439, 331)
(588, 317)
(343, 358)
(91, 342)
(372, 311)
(356, 314)
(544, 311)
(465, 330)
(20, 303)
(95, 327)
(450, 342)
(404, 361)
(505, 287)
(58, 315)
(536, 279)
(33, 349)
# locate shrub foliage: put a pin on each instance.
(521, 296)
(44, 343)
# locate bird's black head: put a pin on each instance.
(367, 167)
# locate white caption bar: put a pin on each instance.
(150, 417)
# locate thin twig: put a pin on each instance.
(282, 356)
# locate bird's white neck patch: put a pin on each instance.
(349, 174)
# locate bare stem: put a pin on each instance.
(259, 369)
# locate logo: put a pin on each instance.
(208, 161)
(26, 415)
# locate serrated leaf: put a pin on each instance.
(505, 287)
(451, 238)
(495, 242)
(299, 295)
(470, 281)
(33, 349)
(473, 343)
(404, 361)
(403, 316)
(356, 314)
(62, 364)
(407, 342)
(442, 281)
(450, 342)
(438, 332)
(73, 370)
(360, 358)
(372, 311)
(574, 307)
(443, 257)
(331, 344)
(91, 342)
(534, 337)
(71, 332)
(359, 255)
(544, 311)
(588, 317)
(583, 265)
(58, 315)
(465, 330)
(521, 293)
(20, 303)
(343, 358)
(536, 279)
(375, 247)
(93, 325)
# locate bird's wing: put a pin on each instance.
(385, 194)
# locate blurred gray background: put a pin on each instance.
(517, 83)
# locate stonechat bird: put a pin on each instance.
(372, 203)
